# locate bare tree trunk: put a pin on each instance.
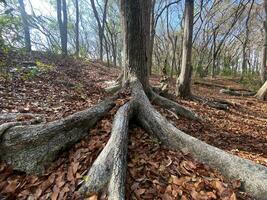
(62, 9)
(77, 28)
(263, 71)
(65, 28)
(27, 36)
(245, 43)
(184, 80)
(101, 26)
(214, 56)
(262, 93)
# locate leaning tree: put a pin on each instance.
(30, 147)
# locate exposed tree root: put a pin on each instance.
(110, 166)
(253, 176)
(113, 88)
(169, 104)
(20, 116)
(237, 92)
(30, 147)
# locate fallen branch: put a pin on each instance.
(212, 103)
(237, 92)
(219, 86)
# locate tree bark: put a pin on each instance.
(184, 80)
(27, 36)
(262, 92)
(110, 166)
(62, 10)
(135, 45)
(30, 148)
(101, 26)
(77, 42)
(263, 70)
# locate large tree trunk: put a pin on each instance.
(27, 36)
(262, 92)
(184, 80)
(135, 44)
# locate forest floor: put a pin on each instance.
(56, 87)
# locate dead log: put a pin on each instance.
(219, 86)
(30, 148)
(237, 92)
(212, 103)
(110, 166)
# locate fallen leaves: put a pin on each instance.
(159, 173)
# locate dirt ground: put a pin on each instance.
(61, 87)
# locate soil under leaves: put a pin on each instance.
(154, 171)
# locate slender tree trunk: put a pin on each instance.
(214, 56)
(245, 43)
(77, 42)
(263, 71)
(101, 26)
(62, 9)
(152, 36)
(65, 28)
(184, 80)
(27, 36)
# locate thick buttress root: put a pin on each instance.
(27, 147)
(110, 166)
(30, 148)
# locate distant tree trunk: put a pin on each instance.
(262, 92)
(27, 36)
(214, 56)
(65, 28)
(245, 43)
(101, 26)
(152, 36)
(62, 9)
(77, 28)
(263, 71)
(184, 80)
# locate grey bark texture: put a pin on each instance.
(26, 29)
(62, 23)
(184, 80)
(252, 176)
(262, 92)
(263, 69)
(110, 166)
(30, 148)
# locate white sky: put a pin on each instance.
(41, 7)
